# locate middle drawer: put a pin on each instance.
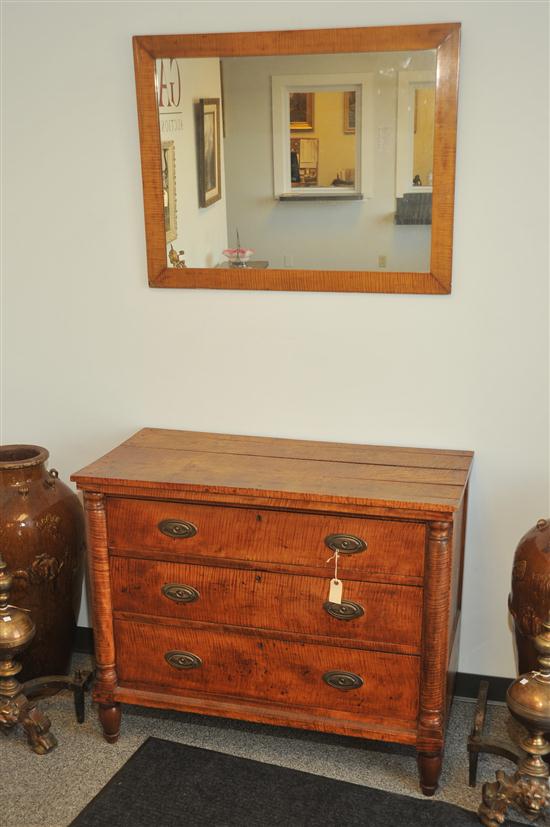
(379, 613)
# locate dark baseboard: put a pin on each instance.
(466, 686)
(84, 640)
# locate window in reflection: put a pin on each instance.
(325, 155)
(323, 136)
(415, 142)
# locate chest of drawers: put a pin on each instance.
(210, 559)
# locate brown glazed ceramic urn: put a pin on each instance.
(42, 541)
(529, 600)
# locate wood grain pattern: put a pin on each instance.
(110, 716)
(435, 637)
(296, 42)
(299, 449)
(442, 37)
(267, 634)
(244, 474)
(269, 601)
(429, 767)
(458, 541)
(100, 590)
(271, 536)
(436, 651)
(257, 667)
(444, 159)
(297, 503)
(260, 564)
(310, 717)
(190, 558)
(252, 466)
(151, 165)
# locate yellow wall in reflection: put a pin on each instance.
(336, 149)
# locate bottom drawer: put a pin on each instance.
(264, 668)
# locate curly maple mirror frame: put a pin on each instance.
(443, 37)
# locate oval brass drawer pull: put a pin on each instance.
(345, 543)
(346, 610)
(343, 680)
(180, 593)
(183, 660)
(177, 528)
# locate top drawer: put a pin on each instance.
(391, 547)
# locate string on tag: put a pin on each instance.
(336, 586)
(335, 558)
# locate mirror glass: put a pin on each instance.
(423, 132)
(322, 139)
(319, 162)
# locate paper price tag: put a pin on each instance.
(335, 591)
(6, 618)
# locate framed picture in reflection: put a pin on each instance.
(208, 151)
(301, 111)
(168, 158)
(349, 112)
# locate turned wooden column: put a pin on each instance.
(102, 611)
(435, 655)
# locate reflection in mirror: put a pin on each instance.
(323, 162)
(301, 107)
(423, 142)
(326, 118)
(328, 146)
(168, 161)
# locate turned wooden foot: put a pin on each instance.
(429, 767)
(109, 716)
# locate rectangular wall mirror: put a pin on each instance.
(300, 160)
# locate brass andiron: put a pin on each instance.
(16, 632)
(528, 699)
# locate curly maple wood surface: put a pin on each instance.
(258, 638)
(100, 587)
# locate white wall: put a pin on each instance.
(92, 354)
(337, 235)
(202, 231)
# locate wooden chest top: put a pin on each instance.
(185, 462)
